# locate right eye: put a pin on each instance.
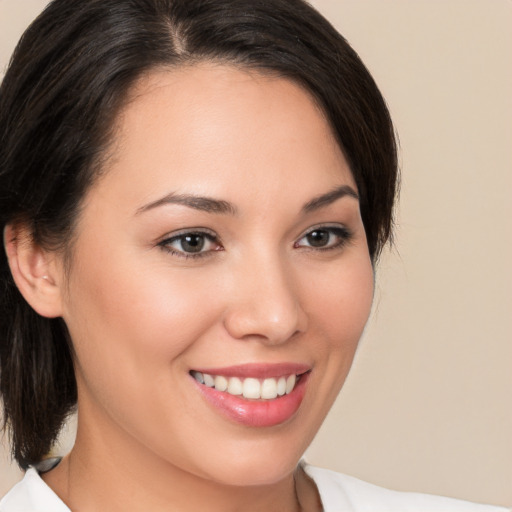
(192, 244)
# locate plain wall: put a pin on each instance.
(427, 406)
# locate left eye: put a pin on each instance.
(324, 238)
(191, 244)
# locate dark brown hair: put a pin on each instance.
(68, 78)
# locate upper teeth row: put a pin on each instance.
(249, 387)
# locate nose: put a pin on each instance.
(265, 303)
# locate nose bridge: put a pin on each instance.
(265, 303)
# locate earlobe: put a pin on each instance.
(34, 271)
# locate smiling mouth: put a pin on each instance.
(254, 395)
(250, 388)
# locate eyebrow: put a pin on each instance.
(330, 197)
(219, 206)
(205, 204)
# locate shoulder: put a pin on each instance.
(345, 493)
(32, 495)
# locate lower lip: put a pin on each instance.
(256, 413)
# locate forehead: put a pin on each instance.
(213, 126)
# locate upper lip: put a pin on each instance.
(257, 370)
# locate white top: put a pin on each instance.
(338, 492)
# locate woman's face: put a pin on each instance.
(223, 243)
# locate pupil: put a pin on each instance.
(318, 238)
(192, 243)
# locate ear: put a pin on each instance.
(35, 271)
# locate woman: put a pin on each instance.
(194, 196)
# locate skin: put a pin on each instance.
(141, 317)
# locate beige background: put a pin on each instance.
(428, 404)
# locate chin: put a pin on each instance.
(258, 463)
(253, 473)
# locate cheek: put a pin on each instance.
(126, 318)
(340, 305)
(342, 301)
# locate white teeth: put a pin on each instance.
(290, 383)
(235, 386)
(221, 383)
(208, 380)
(269, 389)
(266, 389)
(251, 388)
(198, 376)
(281, 386)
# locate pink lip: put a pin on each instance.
(255, 413)
(258, 370)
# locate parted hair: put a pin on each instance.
(65, 84)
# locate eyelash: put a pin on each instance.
(209, 236)
(343, 234)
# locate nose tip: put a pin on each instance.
(267, 308)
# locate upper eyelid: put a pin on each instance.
(190, 231)
(325, 227)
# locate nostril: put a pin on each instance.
(265, 307)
